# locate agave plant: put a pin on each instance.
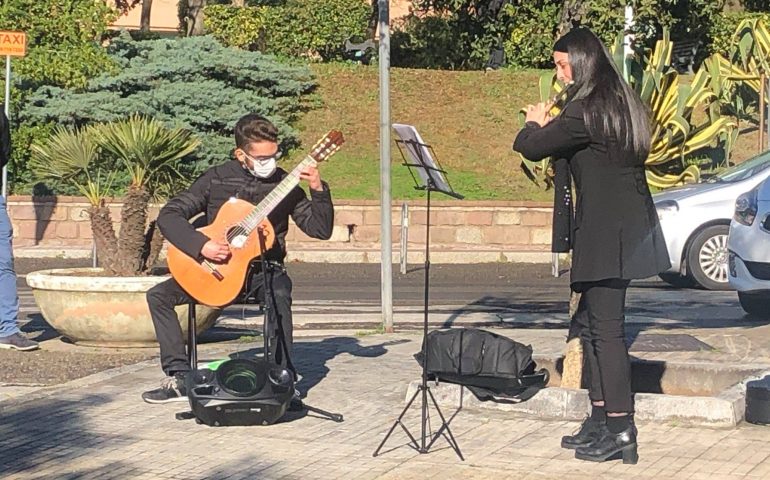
(675, 133)
(748, 59)
(91, 159)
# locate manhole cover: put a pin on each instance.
(665, 342)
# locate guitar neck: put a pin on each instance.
(277, 195)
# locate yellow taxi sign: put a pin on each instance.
(13, 44)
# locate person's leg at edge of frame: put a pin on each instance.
(10, 334)
(161, 300)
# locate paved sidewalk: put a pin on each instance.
(98, 427)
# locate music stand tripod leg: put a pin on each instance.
(424, 390)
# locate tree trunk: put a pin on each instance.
(572, 371)
(191, 15)
(153, 243)
(105, 239)
(144, 22)
(239, 3)
(133, 220)
(374, 20)
(572, 12)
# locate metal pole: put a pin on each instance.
(762, 103)
(424, 349)
(404, 236)
(628, 39)
(7, 114)
(767, 114)
(555, 264)
(386, 249)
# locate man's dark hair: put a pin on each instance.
(254, 128)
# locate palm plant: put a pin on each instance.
(91, 159)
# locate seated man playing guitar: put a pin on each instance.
(251, 177)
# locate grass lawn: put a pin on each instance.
(470, 118)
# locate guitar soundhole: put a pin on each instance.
(237, 237)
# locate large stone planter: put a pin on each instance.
(104, 311)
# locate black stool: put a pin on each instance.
(246, 296)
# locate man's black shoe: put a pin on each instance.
(18, 341)
(172, 389)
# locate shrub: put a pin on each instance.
(193, 83)
(723, 30)
(63, 38)
(530, 42)
(309, 28)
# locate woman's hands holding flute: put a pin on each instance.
(539, 113)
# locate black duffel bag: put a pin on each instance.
(490, 365)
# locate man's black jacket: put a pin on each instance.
(214, 187)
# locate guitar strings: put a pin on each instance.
(248, 224)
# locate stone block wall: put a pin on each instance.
(63, 221)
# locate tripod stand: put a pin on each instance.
(270, 314)
(430, 177)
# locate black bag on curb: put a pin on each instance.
(490, 365)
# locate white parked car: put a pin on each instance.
(749, 247)
(696, 221)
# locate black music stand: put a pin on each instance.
(431, 178)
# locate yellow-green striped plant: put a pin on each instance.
(675, 133)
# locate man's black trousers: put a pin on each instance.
(163, 297)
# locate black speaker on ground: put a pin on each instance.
(240, 392)
(758, 401)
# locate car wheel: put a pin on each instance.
(755, 304)
(676, 280)
(707, 258)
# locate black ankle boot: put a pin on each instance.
(590, 431)
(611, 446)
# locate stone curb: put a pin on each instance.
(725, 410)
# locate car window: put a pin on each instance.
(743, 170)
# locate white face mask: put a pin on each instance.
(262, 168)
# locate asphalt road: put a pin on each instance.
(526, 295)
(525, 288)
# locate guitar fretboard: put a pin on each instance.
(248, 224)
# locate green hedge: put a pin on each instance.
(530, 42)
(315, 29)
(63, 39)
(722, 30)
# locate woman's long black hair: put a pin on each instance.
(611, 107)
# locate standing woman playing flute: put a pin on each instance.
(603, 135)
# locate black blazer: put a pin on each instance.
(616, 232)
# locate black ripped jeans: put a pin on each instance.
(600, 324)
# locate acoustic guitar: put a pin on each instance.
(237, 222)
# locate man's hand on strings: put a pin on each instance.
(216, 251)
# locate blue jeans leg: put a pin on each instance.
(9, 298)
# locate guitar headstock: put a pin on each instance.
(327, 146)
